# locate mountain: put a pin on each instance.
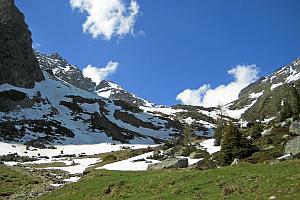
(64, 71)
(112, 90)
(18, 64)
(55, 104)
(276, 96)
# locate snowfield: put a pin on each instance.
(87, 149)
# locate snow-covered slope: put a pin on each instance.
(112, 90)
(55, 112)
(270, 97)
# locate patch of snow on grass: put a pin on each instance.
(130, 165)
(209, 146)
(79, 165)
(72, 179)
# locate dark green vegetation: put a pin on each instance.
(246, 181)
(235, 145)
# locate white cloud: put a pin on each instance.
(107, 18)
(223, 94)
(97, 74)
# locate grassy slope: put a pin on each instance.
(13, 181)
(246, 181)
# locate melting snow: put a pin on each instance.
(129, 165)
(209, 146)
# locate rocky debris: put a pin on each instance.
(16, 158)
(9, 132)
(18, 64)
(65, 156)
(295, 127)
(170, 163)
(293, 146)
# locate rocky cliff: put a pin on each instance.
(18, 64)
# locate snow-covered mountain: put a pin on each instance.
(276, 96)
(112, 90)
(64, 107)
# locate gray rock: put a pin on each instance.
(235, 161)
(170, 163)
(293, 146)
(295, 127)
(196, 155)
(169, 152)
(178, 153)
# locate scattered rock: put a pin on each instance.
(272, 197)
(170, 163)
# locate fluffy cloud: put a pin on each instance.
(107, 18)
(98, 74)
(223, 94)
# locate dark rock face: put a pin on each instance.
(18, 64)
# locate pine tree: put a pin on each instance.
(234, 145)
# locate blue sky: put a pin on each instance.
(185, 44)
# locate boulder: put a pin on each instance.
(178, 153)
(235, 162)
(169, 152)
(170, 163)
(295, 127)
(293, 146)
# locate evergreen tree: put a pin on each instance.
(255, 130)
(234, 145)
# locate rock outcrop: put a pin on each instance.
(170, 163)
(18, 64)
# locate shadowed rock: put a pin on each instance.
(18, 64)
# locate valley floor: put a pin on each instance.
(245, 181)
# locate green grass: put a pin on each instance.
(13, 181)
(246, 181)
